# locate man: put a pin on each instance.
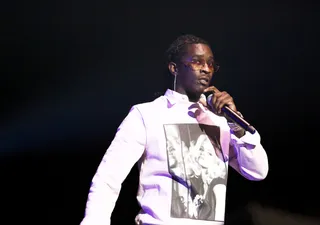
(187, 190)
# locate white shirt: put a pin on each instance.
(183, 151)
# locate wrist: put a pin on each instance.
(235, 128)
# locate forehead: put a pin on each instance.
(198, 49)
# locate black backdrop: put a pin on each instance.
(71, 70)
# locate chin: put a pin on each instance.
(198, 90)
(195, 92)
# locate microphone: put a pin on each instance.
(233, 116)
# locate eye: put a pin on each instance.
(210, 63)
(196, 61)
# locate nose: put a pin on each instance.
(206, 69)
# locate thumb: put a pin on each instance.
(211, 89)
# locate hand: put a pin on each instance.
(219, 99)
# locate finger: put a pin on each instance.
(211, 89)
(227, 100)
(223, 96)
(215, 98)
(231, 105)
(222, 100)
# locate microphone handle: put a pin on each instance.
(238, 119)
(234, 117)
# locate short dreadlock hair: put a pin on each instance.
(177, 48)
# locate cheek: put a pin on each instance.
(188, 80)
(191, 77)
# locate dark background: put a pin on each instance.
(71, 70)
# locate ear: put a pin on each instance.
(173, 68)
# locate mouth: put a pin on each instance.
(204, 81)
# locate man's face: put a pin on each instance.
(196, 68)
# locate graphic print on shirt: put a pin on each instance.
(199, 175)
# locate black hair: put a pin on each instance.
(176, 49)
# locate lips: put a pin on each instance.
(204, 81)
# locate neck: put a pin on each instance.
(193, 97)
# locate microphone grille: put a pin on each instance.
(209, 100)
(203, 97)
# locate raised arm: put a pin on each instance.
(249, 157)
